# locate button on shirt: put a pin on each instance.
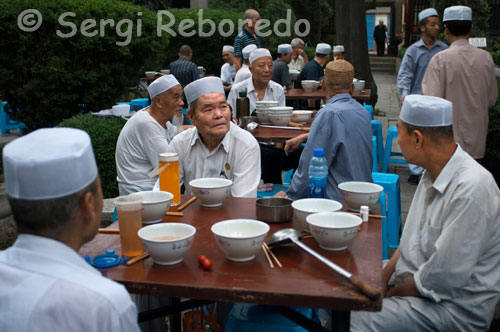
(46, 286)
(274, 91)
(245, 38)
(184, 71)
(451, 243)
(412, 69)
(343, 129)
(227, 73)
(237, 158)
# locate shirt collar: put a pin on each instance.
(338, 97)
(420, 43)
(448, 172)
(459, 42)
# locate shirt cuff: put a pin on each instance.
(429, 293)
(404, 93)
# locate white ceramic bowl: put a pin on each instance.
(120, 109)
(281, 109)
(310, 85)
(154, 205)
(301, 116)
(150, 74)
(240, 239)
(294, 74)
(211, 191)
(355, 194)
(304, 207)
(266, 104)
(167, 242)
(359, 86)
(263, 117)
(280, 119)
(165, 71)
(334, 231)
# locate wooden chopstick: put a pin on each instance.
(174, 214)
(267, 256)
(376, 216)
(109, 231)
(138, 258)
(272, 255)
(183, 206)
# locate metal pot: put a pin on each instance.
(274, 209)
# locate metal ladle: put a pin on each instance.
(288, 235)
(253, 125)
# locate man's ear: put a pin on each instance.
(190, 115)
(418, 138)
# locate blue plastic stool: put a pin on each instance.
(138, 104)
(115, 215)
(390, 182)
(374, 154)
(246, 317)
(377, 132)
(392, 134)
(383, 212)
(288, 177)
(369, 108)
(6, 124)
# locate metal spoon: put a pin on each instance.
(288, 235)
(253, 125)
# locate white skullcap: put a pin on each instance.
(427, 13)
(457, 13)
(323, 48)
(198, 88)
(284, 48)
(338, 48)
(259, 53)
(426, 111)
(161, 85)
(228, 48)
(247, 50)
(49, 163)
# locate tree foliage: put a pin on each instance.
(480, 12)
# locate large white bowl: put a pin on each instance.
(309, 85)
(240, 239)
(280, 119)
(167, 242)
(281, 109)
(154, 205)
(355, 194)
(301, 116)
(304, 207)
(165, 71)
(334, 231)
(266, 104)
(263, 117)
(211, 191)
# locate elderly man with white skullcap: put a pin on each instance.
(147, 134)
(338, 52)
(445, 275)
(216, 147)
(281, 74)
(244, 71)
(228, 69)
(54, 192)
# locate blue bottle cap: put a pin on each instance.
(109, 259)
(318, 152)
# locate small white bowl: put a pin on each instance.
(281, 109)
(280, 119)
(167, 242)
(304, 207)
(309, 85)
(301, 117)
(357, 193)
(334, 231)
(150, 74)
(211, 191)
(266, 104)
(240, 239)
(165, 71)
(154, 205)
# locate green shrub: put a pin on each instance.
(104, 133)
(47, 77)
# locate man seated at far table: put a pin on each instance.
(216, 147)
(228, 69)
(445, 275)
(343, 129)
(54, 192)
(281, 74)
(338, 52)
(147, 134)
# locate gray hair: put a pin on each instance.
(296, 42)
(434, 133)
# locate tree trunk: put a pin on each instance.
(350, 23)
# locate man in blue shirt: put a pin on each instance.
(417, 57)
(247, 36)
(343, 129)
(184, 70)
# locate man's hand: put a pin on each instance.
(280, 194)
(303, 54)
(405, 289)
(294, 143)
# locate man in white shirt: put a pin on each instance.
(146, 135)
(228, 69)
(244, 71)
(216, 147)
(55, 195)
(259, 86)
(445, 275)
(338, 52)
(299, 57)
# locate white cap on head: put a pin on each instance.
(198, 88)
(323, 48)
(427, 13)
(426, 111)
(228, 48)
(247, 50)
(49, 163)
(457, 13)
(284, 48)
(338, 48)
(161, 85)
(259, 53)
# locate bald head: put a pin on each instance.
(250, 14)
(339, 75)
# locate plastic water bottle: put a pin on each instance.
(318, 173)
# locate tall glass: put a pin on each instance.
(169, 177)
(129, 210)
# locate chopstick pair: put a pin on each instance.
(268, 252)
(136, 259)
(376, 216)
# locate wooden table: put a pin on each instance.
(296, 94)
(276, 135)
(303, 281)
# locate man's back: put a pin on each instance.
(281, 74)
(311, 71)
(184, 71)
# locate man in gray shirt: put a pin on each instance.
(281, 74)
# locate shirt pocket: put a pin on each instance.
(428, 237)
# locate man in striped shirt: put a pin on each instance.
(247, 36)
(184, 70)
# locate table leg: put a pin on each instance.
(300, 319)
(341, 321)
(176, 317)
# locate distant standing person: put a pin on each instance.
(299, 57)
(281, 74)
(464, 75)
(184, 70)
(380, 36)
(338, 52)
(247, 36)
(228, 69)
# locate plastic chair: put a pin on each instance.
(138, 104)
(374, 154)
(377, 132)
(383, 212)
(392, 134)
(6, 124)
(390, 182)
(369, 108)
(288, 177)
